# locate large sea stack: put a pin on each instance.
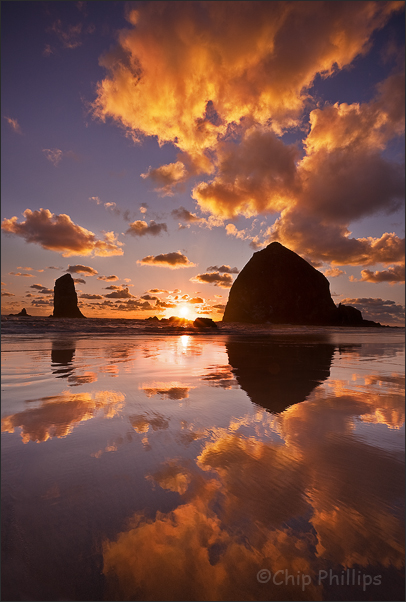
(279, 287)
(66, 299)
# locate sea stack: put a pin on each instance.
(66, 299)
(278, 287)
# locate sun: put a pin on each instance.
(183, 311)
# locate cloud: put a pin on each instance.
(225, 101)
(21, 274)
(392, 274)
(95, 199)
(157, 291)
(257, 175)
(111, 278)
(333, 272)
(196, 300)
(332, 242)
(69, 36)
(42, 289)
(13, 123)
(143, 207)
(6, 294)
(149, 298)
(87, 296)
(122, 293)
(82, 269)
(140, 228)
(378, 310)
(79, 281)
(260, 67)
(172, 260)
(167, 176)
(223, 269)
(58, 233)
(222, 280)
(185, 215)
(55, 155)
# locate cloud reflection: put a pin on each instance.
(58, 415)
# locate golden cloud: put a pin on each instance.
(259, 67)
(173, 260)
(58, 233)
(13, 124)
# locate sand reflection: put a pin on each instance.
(58, 415)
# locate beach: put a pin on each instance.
(144, 462)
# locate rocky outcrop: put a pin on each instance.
(279, 287)
(22, 314)
(203, 323)
(66, 299)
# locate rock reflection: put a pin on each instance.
(58, 415)
(62, 353)
(276, 375)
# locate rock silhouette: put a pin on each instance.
(66, 299)
(204, 323)
(279, 287)
(22, 313)
(276, 375)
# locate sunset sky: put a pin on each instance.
(149, 148)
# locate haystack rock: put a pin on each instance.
(279, 287)
(66, 299)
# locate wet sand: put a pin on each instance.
(212, 467)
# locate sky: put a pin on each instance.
(150, 148)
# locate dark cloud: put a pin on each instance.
(108, 278)
(79, 281)
(172, 260)
(222, 280)
(185, 215)
(223, 269)
(123, 293)
(87, 296)
(82, 269)
(141, 228)
(378, 310)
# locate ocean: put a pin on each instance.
(143, 461)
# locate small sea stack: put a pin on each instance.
(66, 299)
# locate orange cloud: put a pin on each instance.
(392, 275)
(140, 228)
(172, 260)
(58, 233)
(333, 272)
(221, 280)
(13, 124)
(255, 176)
(207, 81)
